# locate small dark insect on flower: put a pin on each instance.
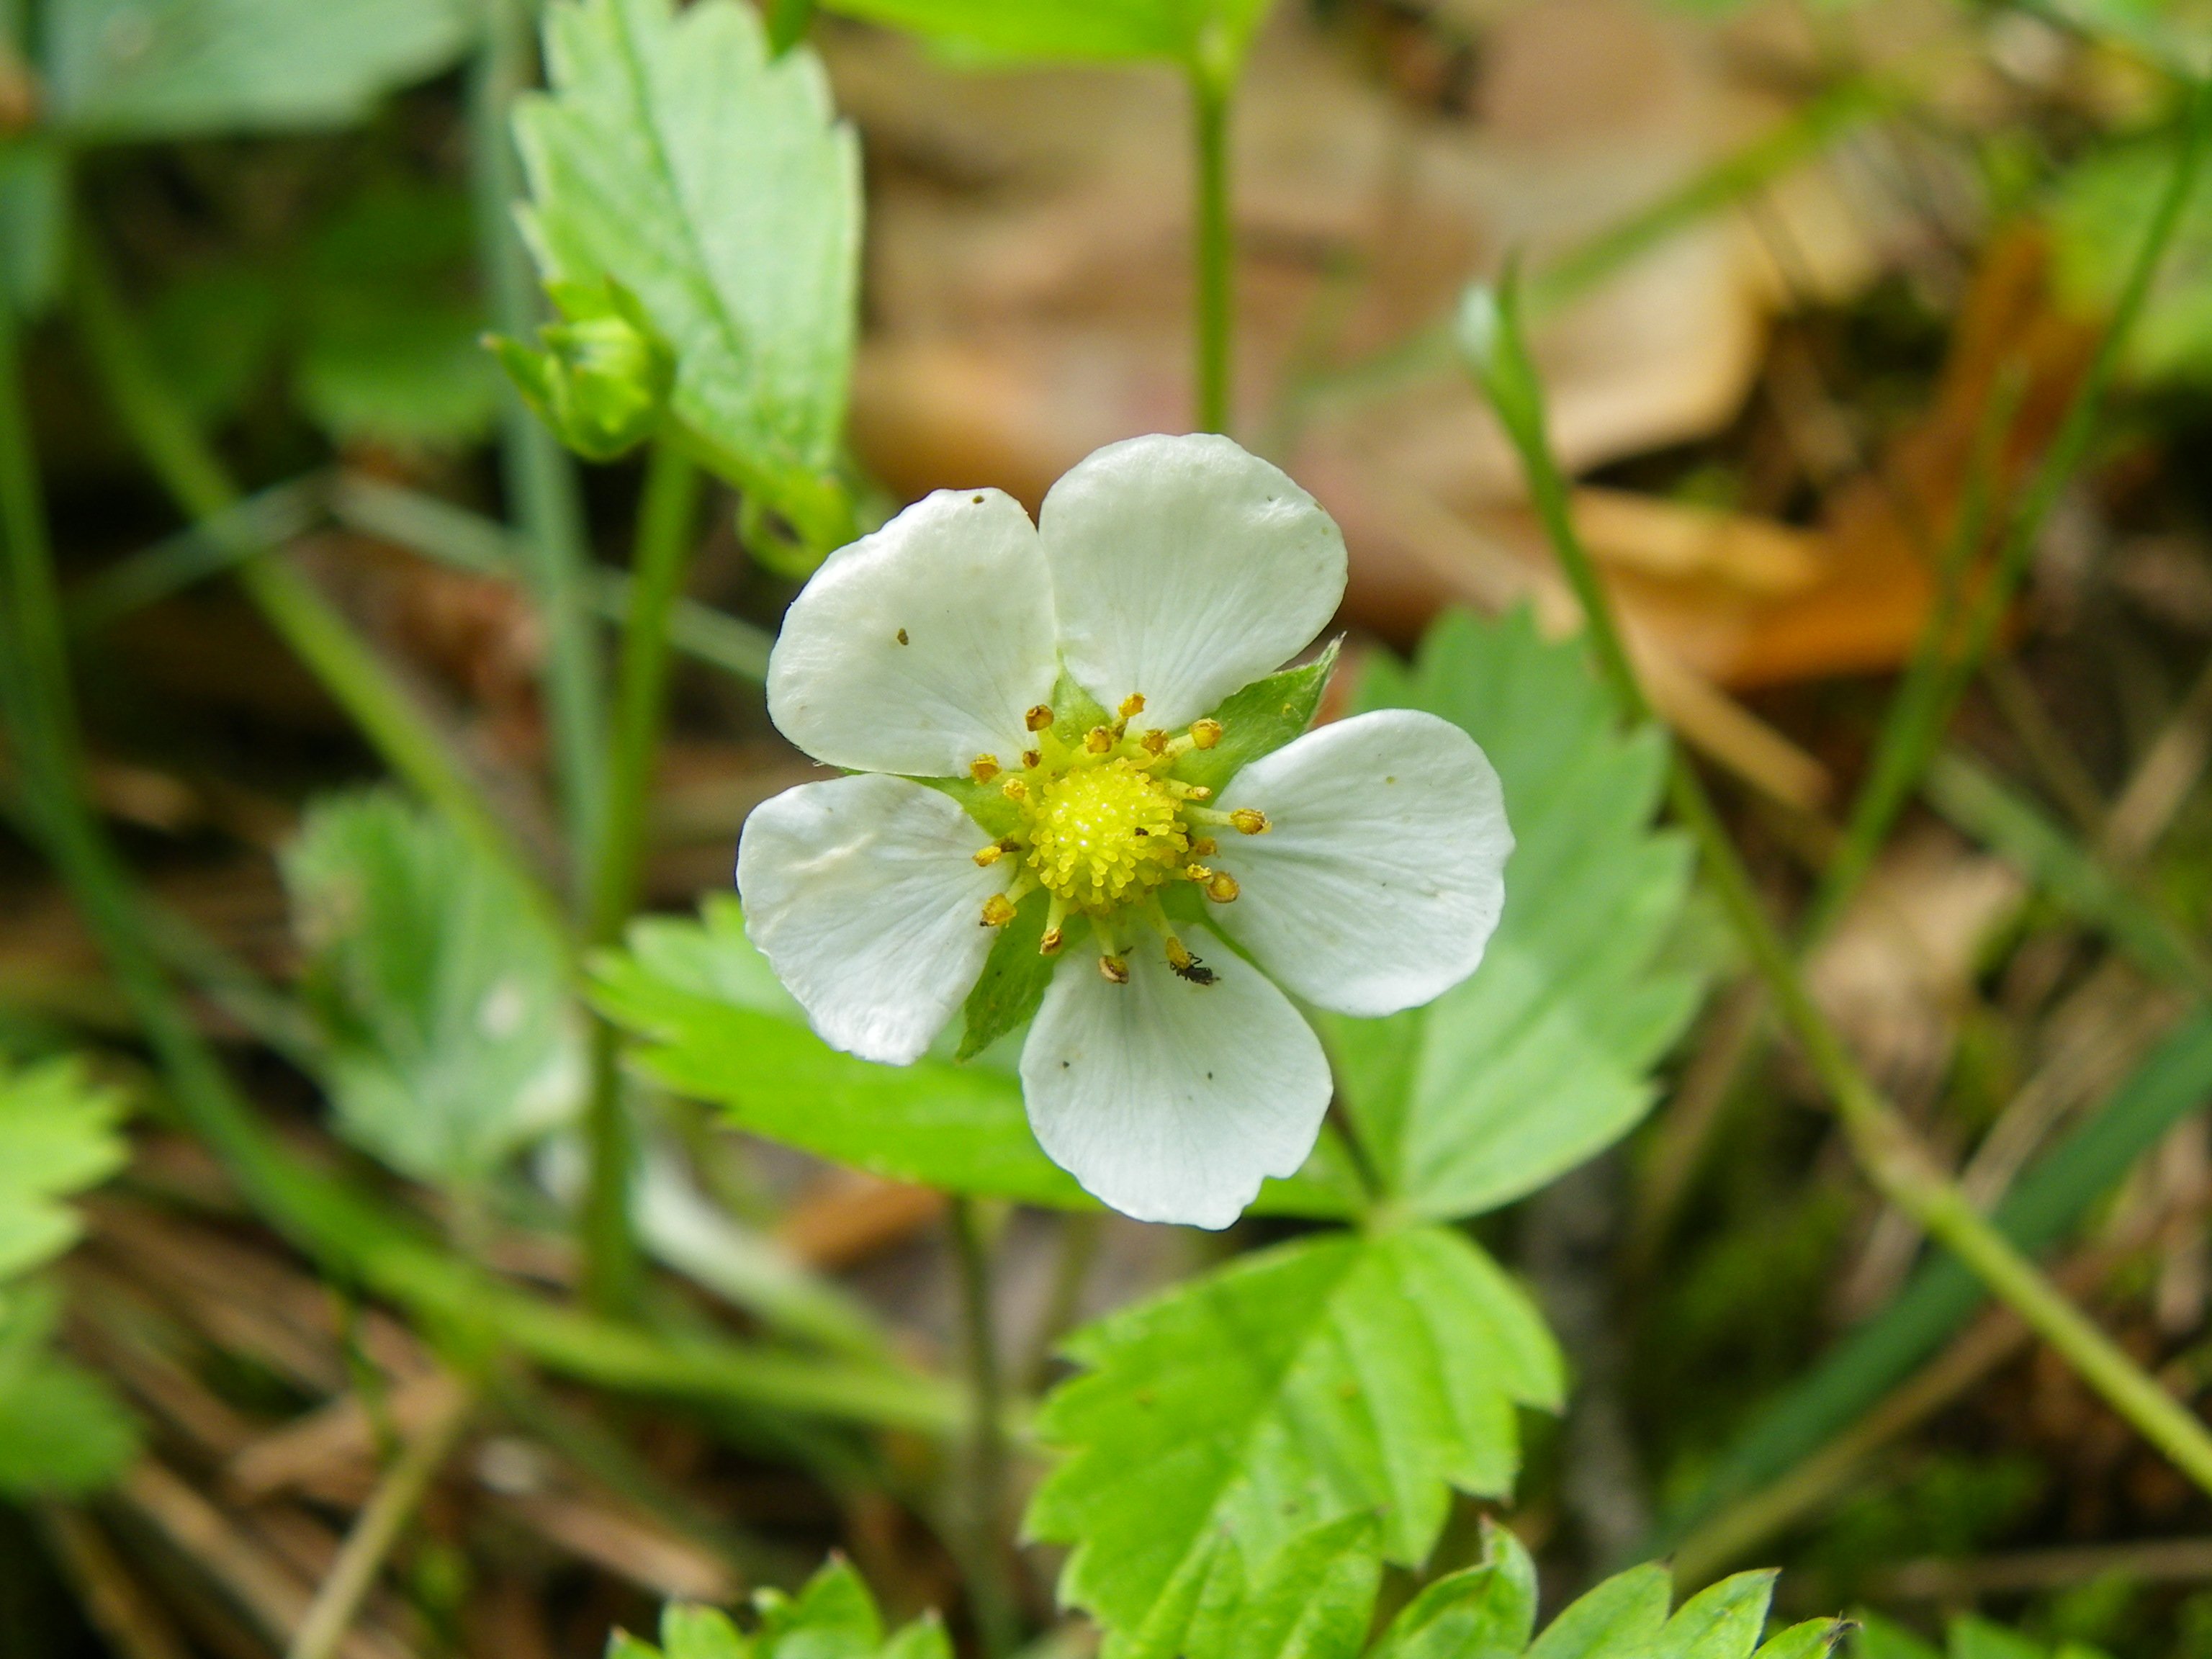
(1196, 972)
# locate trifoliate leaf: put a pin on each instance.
(833, 1617)
(717, 187)
(1186, 31)
(62, 1433)
(1543, 1056)
(171, 69)
(452, 1040)
(714, 1024)
(1335, 1376)
(57, 1136)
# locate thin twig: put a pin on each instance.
(377, 1529)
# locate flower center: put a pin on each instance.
(1101, 834)
(1102, 826)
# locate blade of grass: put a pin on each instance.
(195, 477)
(198, 552)
(1880, 1141)
(355, 1240)
(539, 473)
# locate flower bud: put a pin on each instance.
(603, 378)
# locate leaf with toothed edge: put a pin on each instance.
(1260, 720)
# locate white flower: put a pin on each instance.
(1358, 867)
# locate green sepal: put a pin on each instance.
(1075, 711)
(1013, 980)
(1260, 720)
(986, 803)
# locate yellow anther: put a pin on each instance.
(1132, 704)
(1055, 932)
(1032, 758)
(1098, 740)
(1113, 970)
(983, 768)
(1206, 734)
(997, 910)
(1038, 717)
(1197, 872)
(1251, 820)
(1221, 888)
(1014, 789)
(990, 856)
(1187, 791)
(1205, 847)
(1154, 741)
(1178, 958)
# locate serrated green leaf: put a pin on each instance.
(452, 1040)
(1486, 1612)
(1313, 1599)
(714, 1024)
(1013, 980)
(57, 1136)
(1623, 1615)
(716, 186)
(1812, 1639)
(1188, 31)
(832, 1617)
(1333, 1376)
(1543, 1056)
(1260, 720)
(1722, 1621)
(172, 69)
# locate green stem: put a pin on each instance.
(1210, 94)
(1884, 1146)
(666, 522)
(195, 477)
(539, 474)
(1939, 676)
(324, 1217)
(991, 1582)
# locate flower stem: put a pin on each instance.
(195, 477)
(539, 474)
(1882, 1142)
(1210, 94)
(667, 518)
(990, 1580)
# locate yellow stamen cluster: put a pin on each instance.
(1102, 827)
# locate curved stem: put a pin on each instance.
(1215, 308)
(1880, 1141)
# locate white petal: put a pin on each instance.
(919, 647)
(1185, 569)
(863, 894)
(1382, 876)
(1171, 1101)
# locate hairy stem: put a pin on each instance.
(1880, 1141)
(667, 520)
(1216, 309)
(539, 475)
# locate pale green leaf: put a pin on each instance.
(1334, 1376)
(1543, 1057)
(1486, 1612)
(57, 1136)
(1313, 1599)
(713, 1024)
(1623, 1615)
(716, 186)
(1186, 31)
(1815, 1638)
(170, 69)
(452, 1040)
(1722, 1621)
